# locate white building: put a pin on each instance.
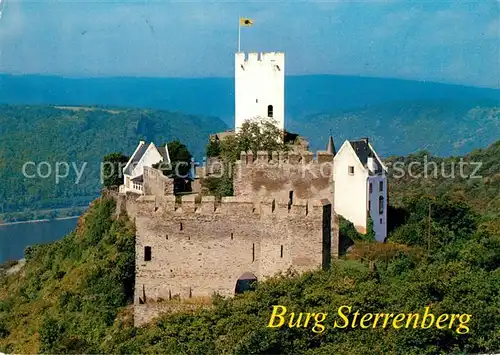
(361, 186)
(144, 155)
(259, 87)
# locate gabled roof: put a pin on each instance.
(139, 153)
(164, 153)
(364, 150)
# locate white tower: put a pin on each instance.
(259, 87)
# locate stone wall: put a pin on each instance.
(201, 247)
(279, 174)
(155, 183)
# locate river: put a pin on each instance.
(15, 237)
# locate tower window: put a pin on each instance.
(381, 186)
(380, 205)
(281, 251)
(147, 253)
(253, 252)
(371, 187)
(351, 170)
(270, 111)
(181, 226)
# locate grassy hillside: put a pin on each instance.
(77, 137)
(73, 295)
(70, 292)
(441, 127)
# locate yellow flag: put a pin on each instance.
(246, 21)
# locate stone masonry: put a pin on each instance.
(198, 246)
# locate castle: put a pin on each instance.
(281, 216)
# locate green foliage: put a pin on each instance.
(213, 148)
(256, 135)
(112, 171)
(71, 291)
(78, 136)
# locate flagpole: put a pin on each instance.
(239, 34)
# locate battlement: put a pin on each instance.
(293, 158)
(262, 57)
(231, 205)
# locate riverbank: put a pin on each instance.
(36, 216)
(38, 220)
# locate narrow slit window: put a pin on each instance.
(270, 111)
(147, 253)
(253, 252)
(371, 187)
(351, 170)
(180, 226)
(281, 251)
(232, 236)
(381, 205)
(381, 186)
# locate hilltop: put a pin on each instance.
(73, 295)
(78, 136)
(315, 104)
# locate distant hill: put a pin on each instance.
(76, 136)
(390, 111)
(441, 127)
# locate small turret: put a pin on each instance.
(331, 146)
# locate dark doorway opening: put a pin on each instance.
(246, 282)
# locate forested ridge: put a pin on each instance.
(74, 295)
(79, 137)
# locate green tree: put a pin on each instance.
(180, 160)
(112, 169)
(213, 148)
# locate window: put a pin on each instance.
(270, 111)
(180, 226)
(381, 186)
(369, 205)
(231, 236)
(147, 253)
(253, 252)
(380, 205)
(281, 252)
(351, 170)
(381, 221)
(371, 187)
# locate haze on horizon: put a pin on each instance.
(450, 42)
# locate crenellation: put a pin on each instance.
(237, 206)
(300, 207)
(188, 203)
(285, 157)
(294, 158)
(263, 156)
(250, 157)
(324, 157)
(282, 207)
(307, 157)
(207, 205)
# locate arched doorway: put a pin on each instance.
(246, 282)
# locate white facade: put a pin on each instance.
(353, 195)
(134, 170)
(259, 87)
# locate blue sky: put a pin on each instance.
(444, 41)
